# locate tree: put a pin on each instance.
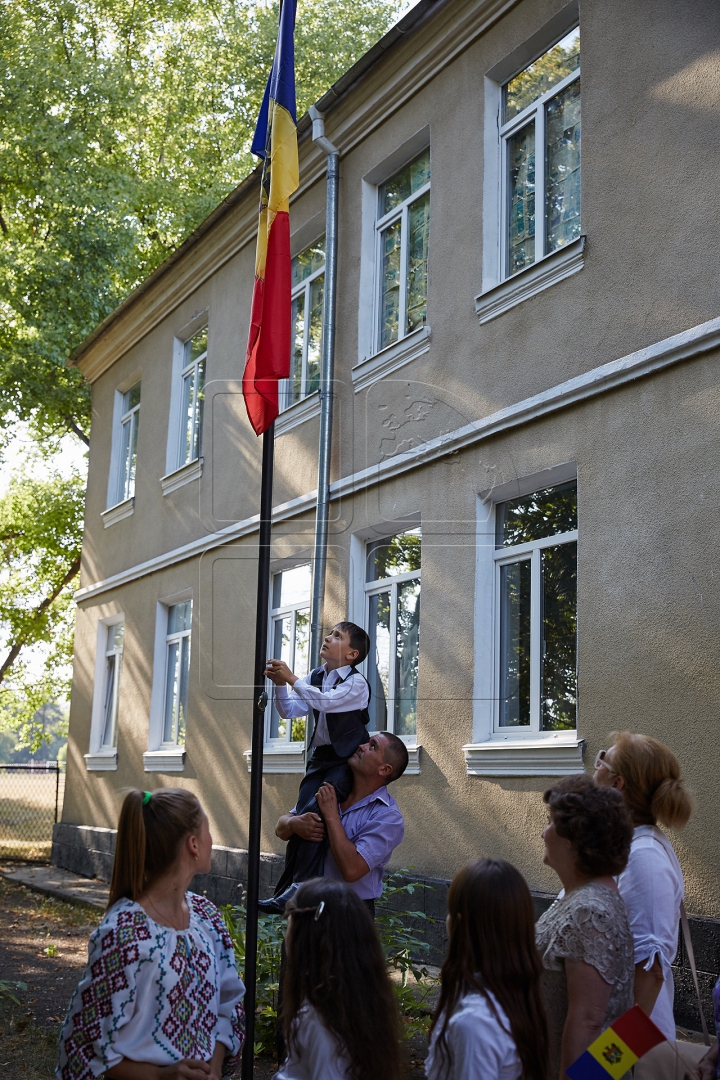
(40, 537)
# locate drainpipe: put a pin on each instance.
(326, 392)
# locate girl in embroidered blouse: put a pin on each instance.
(490, 1021)
(339, 1017)
(160, 998)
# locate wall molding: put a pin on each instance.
(118, 512)
(184, 475)
(525, 757)
(391, 358)
(673, 350)
(298, 413)
(531, 281)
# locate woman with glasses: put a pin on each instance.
(647, 775)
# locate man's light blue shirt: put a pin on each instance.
(376, 827)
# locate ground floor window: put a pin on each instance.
(536, 613)
(289, 641)
(392, 590)
(177, 673)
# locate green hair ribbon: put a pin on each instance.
(147, 795)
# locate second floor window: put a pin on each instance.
(403, 230)
(113, 667)
(289, 641)
(193, 396)
(129, 423)
(540, 136)
(536, 568)
(308, 291)
(393, 612)
(177, 673)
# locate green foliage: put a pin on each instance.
(6, 989)
(400, 943)
(40, 535)
(121, 127)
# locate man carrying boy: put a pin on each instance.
(338, 696)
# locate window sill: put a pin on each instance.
(391, 358)
(102, 761)
(118, 512)
(552, 756)
(170, 760)
(413, 768)
(281, 761)
(298, 413)
(184, 475)
(531, 281)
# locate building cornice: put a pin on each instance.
(233, 224)
(673, 350)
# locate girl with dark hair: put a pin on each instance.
(490, 1022)
(584, 938)
(339, 1016)
(160, 998)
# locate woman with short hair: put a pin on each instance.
(490, 1022)
(646, 773)
(584, 938)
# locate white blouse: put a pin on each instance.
(154, 994)
(317, 1055)
(481, 1046)
(652, 887)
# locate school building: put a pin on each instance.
(525, 491)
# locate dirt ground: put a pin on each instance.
(43, 943)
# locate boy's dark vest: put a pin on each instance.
(347, 730)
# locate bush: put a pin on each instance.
(400, 943)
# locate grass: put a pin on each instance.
(27, 814)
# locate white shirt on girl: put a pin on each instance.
(481, 1046)
(317, 1053)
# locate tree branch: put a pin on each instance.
(41, 609)
(3, 224)
(76, 430)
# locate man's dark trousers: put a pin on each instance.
(304, 858)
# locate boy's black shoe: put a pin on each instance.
(276, 904)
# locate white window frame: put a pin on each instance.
(286, 401)
(118, 504)
(533, 112)
(130, 420)
(526, 751)
(178, 472)
(191, 368)
(103, 758)
(569, 258)
(162, 756)
(284, 744)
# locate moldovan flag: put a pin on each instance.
(615, 1052)
(268, 352)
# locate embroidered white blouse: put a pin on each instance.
(154, 994)
(481, 1046)
(317, 1053)
(652, 887)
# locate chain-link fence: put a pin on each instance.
(31, 798)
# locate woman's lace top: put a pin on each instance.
(590, 924)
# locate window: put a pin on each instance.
(540, 136)
(403, 229)
(113, 668)
(193, 396)
(177, 673)
(129, 422)
(289, 641)
(536, 618)
(308, 290)
(393, 619)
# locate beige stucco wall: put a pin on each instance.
(647, 454)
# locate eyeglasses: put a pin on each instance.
(600, 760)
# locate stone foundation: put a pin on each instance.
(86, 850)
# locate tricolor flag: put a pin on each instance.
(268, 352)
(615, 1052)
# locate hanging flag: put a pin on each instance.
(268, 352)
(615, 1051)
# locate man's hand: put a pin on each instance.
(327, 801)
(309, 827)
(706, 1069)
(279, 673)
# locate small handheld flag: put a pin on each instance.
(268, 351)
(616, 1051)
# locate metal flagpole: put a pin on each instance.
(256, 771)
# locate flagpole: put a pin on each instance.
(256, 769)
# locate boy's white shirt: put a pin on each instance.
(349, 695)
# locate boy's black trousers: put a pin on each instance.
(304, 858)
